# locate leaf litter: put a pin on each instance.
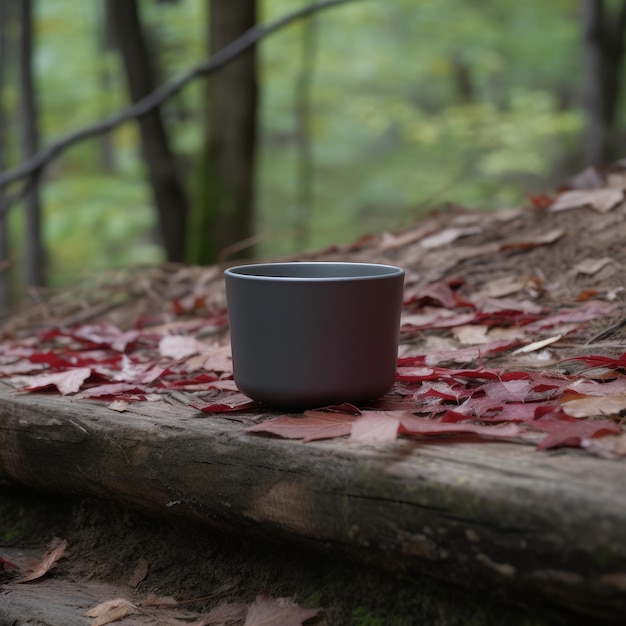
(264, 611)
(525, 303)
(492, 349)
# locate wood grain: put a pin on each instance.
(495, 516)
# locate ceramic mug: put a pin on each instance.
(314, 334)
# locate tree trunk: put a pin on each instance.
(5, 250)
(105, 46)
(169, 196)
(304, 144)
(603, 53)
(223, 213)
(34, 254)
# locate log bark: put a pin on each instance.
(498, 518)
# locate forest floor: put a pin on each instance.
(565, 248)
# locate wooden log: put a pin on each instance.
(491, 516)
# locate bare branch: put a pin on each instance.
(34, 165)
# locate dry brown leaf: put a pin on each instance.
(590, 406)
(505, 286)
(447, 236)
(139, 573)
(55, 552)
(268, 611)
(602, 200)
(532, 241)
(589, 267)
(471, 334)
(111, 611)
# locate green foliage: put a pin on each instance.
(396, 131)
(362, 617)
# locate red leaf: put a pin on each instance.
(437, 293)
(540, 201)
(412, 425)
(227, 404)
(562, 433)
(109, 390)
(66, 382)
(590, 310)
(505, 391)
(314, 425)
(8, 567)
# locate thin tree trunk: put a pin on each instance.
(304, 145)
(169, 196)
(105, 46)
(5, 250)
(224, 201)
(603, 54)
(34, 254)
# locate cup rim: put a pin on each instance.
(379, 271)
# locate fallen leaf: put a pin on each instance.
(312, 426)
(505, 286)
(7, 565)
(108, 390)
(471, 334)
(7, 569)
(111, 611)
(66, 382)
(139, 573)
(589, 267)
(509, 390)
(412, 425)
(41, 568)
(533, 241)
(268, 611)
(441, 292)
(375, 428)
(447, 236)
(574, 433)
(181, 346)
(591, 406)
(602, 200)
(227, 403)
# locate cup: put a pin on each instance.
(307, 335)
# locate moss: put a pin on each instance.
(362, 617)
(313, 601)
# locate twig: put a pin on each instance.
(607, 331)
(35, 164)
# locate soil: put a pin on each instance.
(187, 562)
(551, 258)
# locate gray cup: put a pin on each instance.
(314, 334)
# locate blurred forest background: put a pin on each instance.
(358, 118)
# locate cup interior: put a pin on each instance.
(315, 271)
